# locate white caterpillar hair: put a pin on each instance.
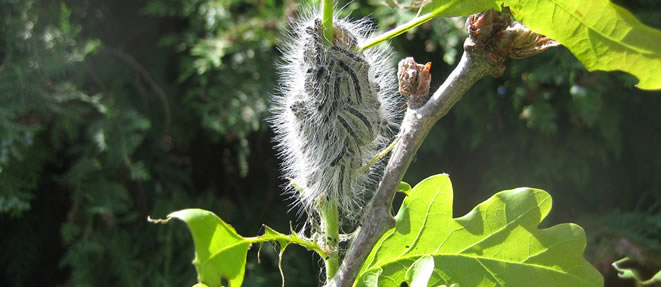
(337, 107)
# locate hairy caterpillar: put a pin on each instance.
(336, 109)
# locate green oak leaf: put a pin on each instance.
(602, 35)
(404, 188)
(220, 252)
(496, 244)
(420, 271)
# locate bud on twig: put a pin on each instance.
(414, 81)
(500, 38)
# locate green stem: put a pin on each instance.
(287, 239)
(328, 210)
(327, 20)
(401, 29)
(331, 232)
(415, 22)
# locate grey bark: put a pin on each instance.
(415, 127)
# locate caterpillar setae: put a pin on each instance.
(335, 110)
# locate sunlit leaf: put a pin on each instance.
(496, 244)
(220, 252)
(420, 271)
(404, 188)
(602, 35)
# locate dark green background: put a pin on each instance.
(111, 111)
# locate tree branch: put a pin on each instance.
(492, 37)
(473, 66)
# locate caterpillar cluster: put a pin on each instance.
(336, 109)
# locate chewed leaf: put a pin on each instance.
(496, 244)
(220, 252)
(602, 35)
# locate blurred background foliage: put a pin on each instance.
(111, 111)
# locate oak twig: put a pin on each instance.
(417, 122)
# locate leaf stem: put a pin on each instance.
(415, 22)
(328, 209)
(327, 21)
(287, 239)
